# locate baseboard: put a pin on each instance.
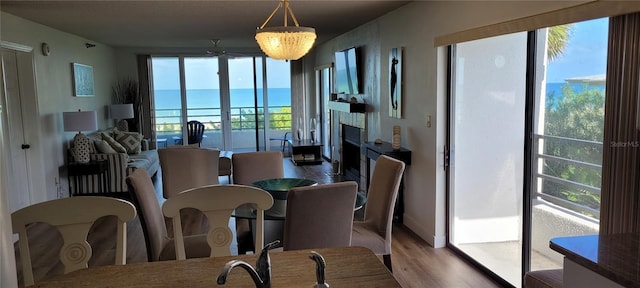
(416, 227)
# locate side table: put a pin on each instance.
(79, 173)
(305, 152)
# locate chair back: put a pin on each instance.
(382, 194)
(250, 167)
(217, 202)
(73, 217)
(186, 167)
(195, 132)
(152, 221)
(320, 216)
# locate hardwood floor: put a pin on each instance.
(415, 263)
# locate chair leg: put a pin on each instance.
(386, 258)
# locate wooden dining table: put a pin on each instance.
(345, 267)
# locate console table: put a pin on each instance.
(372, 151)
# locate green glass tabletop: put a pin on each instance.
(279, 187)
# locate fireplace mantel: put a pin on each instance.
(347, 107)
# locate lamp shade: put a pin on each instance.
(286, 42)
(80, 121)
(121, 111)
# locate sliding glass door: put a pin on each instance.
(487, 156)
(227, 95)
(525, 141)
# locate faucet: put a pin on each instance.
(320, 264)
(261, 275)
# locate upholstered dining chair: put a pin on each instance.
(375, 231)
(217, 202)
(249, 167)
(159, 245)
(73, 217)
(320, 216)
(186, 167)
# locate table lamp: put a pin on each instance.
(121, 112)
(80, 121)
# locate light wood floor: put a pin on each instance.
(415, 263)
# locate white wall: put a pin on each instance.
(54, 87)
(414, 27)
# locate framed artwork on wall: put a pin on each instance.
(395, 83)
(82, 80)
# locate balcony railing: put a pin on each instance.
(168, 121)
(572, 183)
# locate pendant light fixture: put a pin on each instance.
(285, 42)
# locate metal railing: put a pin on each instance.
(168, 121)
(555, 186)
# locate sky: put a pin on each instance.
(201, 73)
(585, 54)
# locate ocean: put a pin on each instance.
(206, 101)
(209, 98)
(204, 104)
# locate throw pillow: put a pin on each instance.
(129, 140)
(103, 147)
(113, 143)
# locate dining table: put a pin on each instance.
(345, 267)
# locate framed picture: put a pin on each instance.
(82, 80)
(395, 83)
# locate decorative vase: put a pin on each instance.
(395, 144)
(81, 149)
(299, 131)
(312, 129)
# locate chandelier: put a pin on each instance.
(285, 42)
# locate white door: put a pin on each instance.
(17, 175)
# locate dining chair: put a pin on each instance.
(159, 245)
(73, 218)
(249, 167)
(217, 202)
(186, 167)
(320, 216)
(375, 231)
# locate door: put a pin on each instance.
(323, 95)
(17, 174)
(487, 140)
(235, 97)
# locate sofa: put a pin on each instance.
(128, 153)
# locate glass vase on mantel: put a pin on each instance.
(299, 131)
(312, 129)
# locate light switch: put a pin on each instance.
(428, 121)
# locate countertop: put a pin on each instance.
(616, 257)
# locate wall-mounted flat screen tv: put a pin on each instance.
(347, 71)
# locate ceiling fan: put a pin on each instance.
(216, 49)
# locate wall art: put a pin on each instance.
(82, 80)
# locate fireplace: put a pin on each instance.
(351, 141)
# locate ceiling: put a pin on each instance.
(183, 25)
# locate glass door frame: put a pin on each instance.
(529, 115)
